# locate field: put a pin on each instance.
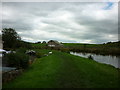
(110, 48)
(62, 70)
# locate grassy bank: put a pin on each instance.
(62, 70)
(111, 48)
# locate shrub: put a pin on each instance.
(21, 50)
(18, 60)
(90, 57)
(65, 50)
(39, 54)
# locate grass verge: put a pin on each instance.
(62, 70)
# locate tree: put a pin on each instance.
(10, 38)
(38, 42)
(44, 42)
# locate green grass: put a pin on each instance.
(44, 51)
(80, 45)
(38, 44)
(104, 49)
(62, 70)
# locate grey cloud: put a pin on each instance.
(77, 24)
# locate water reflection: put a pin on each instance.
(107, 59)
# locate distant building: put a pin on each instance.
(54, 43)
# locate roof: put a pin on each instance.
(54, 41)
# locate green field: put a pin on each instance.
(62, 70)
(109, 48)
(38, 44)
(80, 44)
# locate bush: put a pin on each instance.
(90, 57)
(39, 55)
(65, 50)
(21, 50)
(18, 60)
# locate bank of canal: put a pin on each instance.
(106, 59)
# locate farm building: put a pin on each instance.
(54, 43)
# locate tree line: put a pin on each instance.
(11, 39)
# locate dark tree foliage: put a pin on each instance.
(10, 38)
(23, 44)
(38, 42)
(19, 60)
(44, 42)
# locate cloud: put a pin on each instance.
(65, 22)
(110, 4)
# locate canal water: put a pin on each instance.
(6, 69)
(107, 59)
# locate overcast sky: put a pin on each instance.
(65, 22)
